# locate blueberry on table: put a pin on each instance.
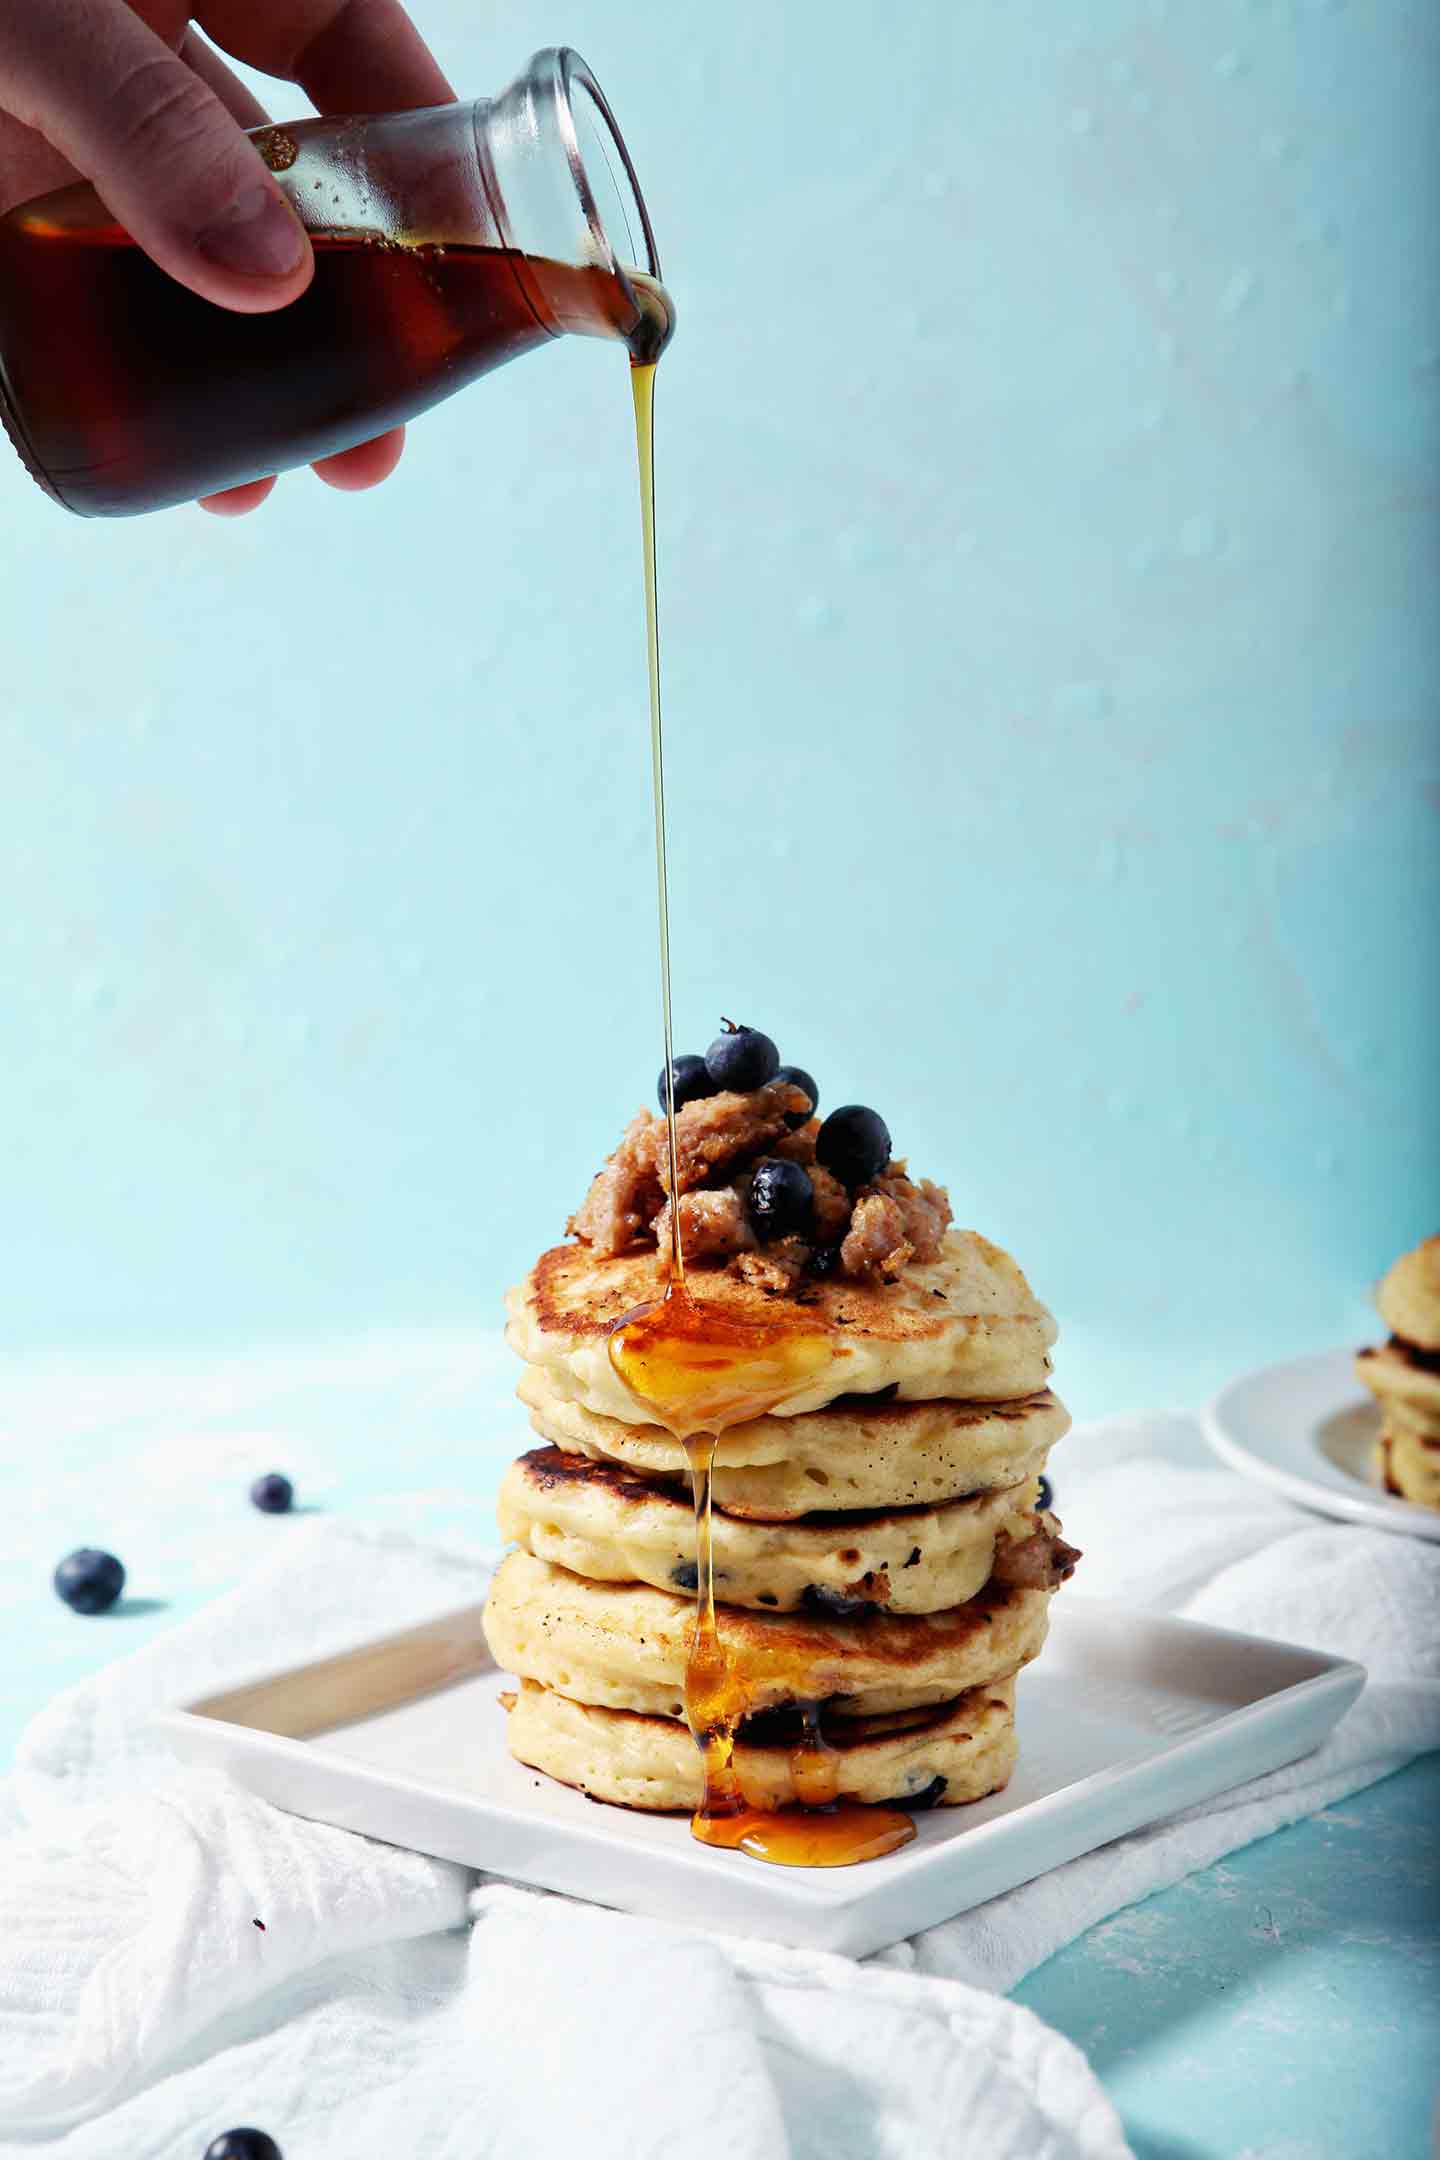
(1046, 1498)
(782, 1200)
(89, 1581)
(853, 1144)
(272, 1494)
(742, 1058)
(797, 1076)
(243, 2145)
(692, 1081)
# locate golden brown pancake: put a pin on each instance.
(956, 1752)
(1401, 1379)
(1404, 1376)
(857, 1453)
(625, 1646)
(609, 1525)
(1408, 1458)
(1409, 1298)
(966, 1326)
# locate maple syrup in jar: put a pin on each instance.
(447, 242)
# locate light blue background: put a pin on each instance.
(1048, 560)
(1049, 564)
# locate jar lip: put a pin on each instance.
(561, 69)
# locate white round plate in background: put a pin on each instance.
(1309, 1429)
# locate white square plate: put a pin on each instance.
(1126, 1718)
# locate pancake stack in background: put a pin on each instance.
(1404, 1376)
(881, 1549)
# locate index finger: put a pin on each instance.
(348, 56)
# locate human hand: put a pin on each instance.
(132, 98)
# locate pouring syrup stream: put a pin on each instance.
(700, 1371)
(642, 387)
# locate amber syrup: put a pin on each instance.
(136, 393)
(699, 1372)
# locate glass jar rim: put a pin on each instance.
(559, 72)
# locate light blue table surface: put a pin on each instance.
(1282, 2005)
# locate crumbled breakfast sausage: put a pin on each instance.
(1039, 1562)
(623, 1196)
(895, 1221)
(832, 1205)
(712, 1224)
(719, 1138)
(876, 1238)
(926, 1208)
(720, 1130)
(778, 1267)
(799, 1146)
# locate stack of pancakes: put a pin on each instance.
(1404, 1376)
(879, 1551)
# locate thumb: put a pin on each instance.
(167, 159)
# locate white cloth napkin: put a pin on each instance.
(142, 2011)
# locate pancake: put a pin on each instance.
(609, 1525)
(1409, 1297)
(965, 1326)
(1411, 1421)
(1401, 1380)
(1409, 1462)
(625, 1646)
(652, 1762)
(856, 1454)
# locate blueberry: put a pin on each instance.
(243, 2145)
(782, 1199)
(780, 1726)
(1047, 1495)
(742, 1058)
(928, 1796)
(798, 1077)
(272, 1494)
(685, 1575)
(828, 1604)
(89, 1581)
(824, 1260)
(692, 1080)
(853, 1143)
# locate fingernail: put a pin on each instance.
(262, 237)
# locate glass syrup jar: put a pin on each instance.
(447, 241)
